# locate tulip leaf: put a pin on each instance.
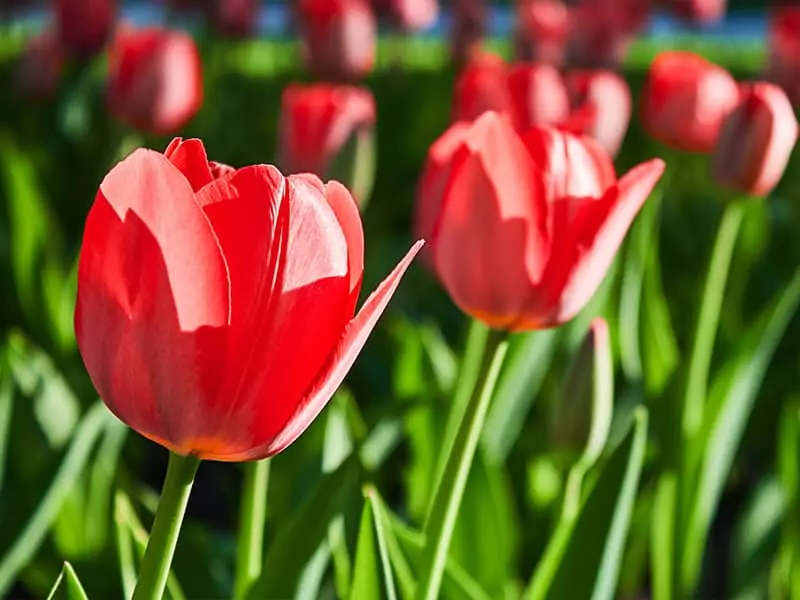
(24, 548)
(584, 556)
(372, 559)
(6, 409)
(395, 555)
(131, 538)
(299, 537)
(731, 402)
(67, 586)
(529, 357)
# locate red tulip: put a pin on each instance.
(234, 18)
(38, 70)
(469, 23)
(339, 37)
(155, 80)
(323, 127)
(542, 30)
(783, 66)
(756, 140)
(216, 316)
(409, 15)
(609, 98)
(523, 229)
(531, 94)
(601, 31)
(684, 100)
(698, 11)
(84, 26)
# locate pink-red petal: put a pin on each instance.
(190, 158)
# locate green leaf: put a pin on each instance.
(299, 537)
(6, 409)
(584, 556)
(370, 562)
(732, 398)
(24, 548)
(67, 586)
(394, 553)
(529, 357)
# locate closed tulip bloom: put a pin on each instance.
(756, 140)
(542, 27)
(38, 69)
(321, 123)
(155, 79)
(783, 65)
(234, 18)
(601, 31)
(339, 38)
(409, 15)
(84, 26)
(526, 227)
(697, 11)
(216, 315)
(684, 100)
(482, 85)
(608, 98)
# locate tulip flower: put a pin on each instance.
(38, 70)
(155, 80)
(328, 130)
(601, 31)
(697, 11)
(606, 98)
(531, 94)
(339, 37)
(756, 140)
(783, 67)
(215, 309)
(541, 31)
(522, 228)
(234, 18)
(84, 26)
(685, 99)
(469, 23)
(409, 15)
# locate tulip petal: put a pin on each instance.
(190, 158)
(152, 292)
(346, 210)
(341, 360)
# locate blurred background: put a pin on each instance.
(82, 83)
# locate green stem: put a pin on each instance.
(252, 521)
(447, 500)
(708, 318)
(166, 527)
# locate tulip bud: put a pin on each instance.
(756, 140)
(539, 94)
(582, 416)
(155, 80)
(409, 15)
(783, 65)
(541, 31)
(38, 70)
(339, 38)
(84, 26)
(606, 98)
(684, 100)
(482, 86)
(234, 18)
(329, 131)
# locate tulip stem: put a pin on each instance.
(252, 521)
(447, 499)
(166, 527)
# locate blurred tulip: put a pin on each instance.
(542, 27)
(38, 69)
(339, 37)
(697, 11)
(469, 24)
(684, 100)
(606, 97)
(756, 140)
(235, 18)
(84, 26)
(216, 316)
(329, 131)
(155, 80)
(601, 31)
(409, 15)
(531, 94)
(783, 64)
(523, 229)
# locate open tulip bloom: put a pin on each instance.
(522, 228)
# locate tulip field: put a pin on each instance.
(358, 313)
